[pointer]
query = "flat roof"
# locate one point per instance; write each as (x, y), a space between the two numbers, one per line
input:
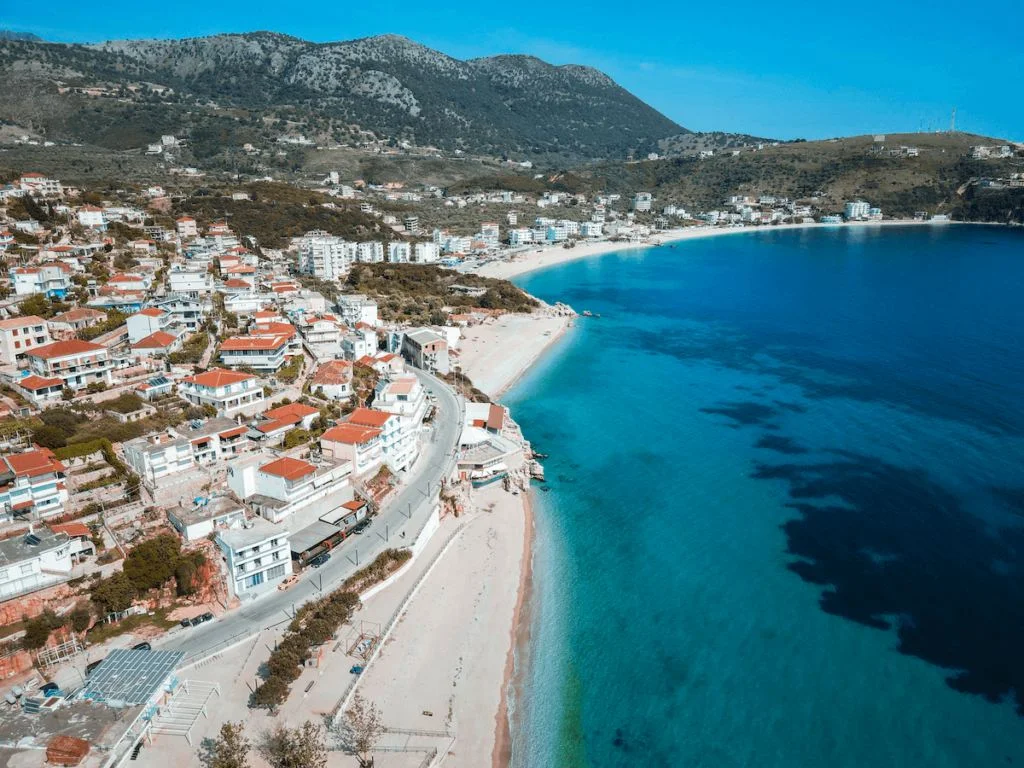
(131, 676)
(310, 536)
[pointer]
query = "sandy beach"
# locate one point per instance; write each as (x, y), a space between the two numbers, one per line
(496, 353)
(552, 255)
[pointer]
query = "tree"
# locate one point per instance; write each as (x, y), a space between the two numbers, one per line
(49, 436)
(37, 630)
(362, 729)
(113, 594)
(152, 563)
(81, 617)
(36, 304)
(302, 747)
(229, 750)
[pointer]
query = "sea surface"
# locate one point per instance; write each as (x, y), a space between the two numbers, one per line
(784, 523)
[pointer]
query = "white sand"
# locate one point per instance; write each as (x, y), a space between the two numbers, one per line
(496, 353)
(448, 654)
(548, 256)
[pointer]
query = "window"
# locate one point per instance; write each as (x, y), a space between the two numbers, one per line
(27, 568)
(276, 572)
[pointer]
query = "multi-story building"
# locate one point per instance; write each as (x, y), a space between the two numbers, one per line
(190, 282)
(325, 256)
(67, 324)
(185, 312)
(176, 450)
(32, 486)
(52, 280)
(642, 202)
(333, 380)
(360, 446)
(261, 353)
(355, 308)
(257, 555)
(231, 393)
(91, 217)
(426, 350)
(398, 443)
(279, 488)
(399, 252)
(855, 210)
(426, 253)
(360, 342)
(404, 397)
(520, 236)
(34, 560)
(147, 322)
(18, 335)
(40, 185)
(490, 233)
(186, 227)
(78, 363)
(370, 252)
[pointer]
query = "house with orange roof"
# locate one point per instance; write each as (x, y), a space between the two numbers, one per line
(32, 486)
(40, 390)
(159, 344)
(280, 421)
(52, 279)
(230, 393)
(18, 335)
(260, 353)
(360, 446)
(146, 322)
(333, 380)
(278, 488)
(186, 228)
(67, 324)
(399, 441)
(78, 363)
(129, 282)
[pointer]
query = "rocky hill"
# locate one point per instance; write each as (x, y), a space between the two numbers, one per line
(264, 86)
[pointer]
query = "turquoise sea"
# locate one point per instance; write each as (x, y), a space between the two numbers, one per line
(784, 523)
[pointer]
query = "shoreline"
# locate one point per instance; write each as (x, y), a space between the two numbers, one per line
(520, 636)
(553, 255)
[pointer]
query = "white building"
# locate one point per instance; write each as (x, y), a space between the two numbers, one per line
(325, 256)
(261, 353)
(426, 253)
(34, 560)
(77, 363)
(257, 555)
(405, 397)
(355, 308)
(91, 217)
(186, 228)
(19, 335)
(856, 210)
(190, 282)
(32, 485)
(370, 252)
(279, 488)
(231, 393)
(520, 236)
(156, 456)
(399, 252)
(642, 202)
(52, 280)
(147, 322)
(360, 447)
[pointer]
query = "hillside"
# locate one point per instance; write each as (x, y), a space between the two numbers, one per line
(224, 91)
(941, 178)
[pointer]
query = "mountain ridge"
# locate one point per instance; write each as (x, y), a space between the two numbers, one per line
(387, 86)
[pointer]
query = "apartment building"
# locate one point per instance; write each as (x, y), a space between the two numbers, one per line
(361, 447)
(190, 282)
(325, 256)
(77, 363)
(276, 489)
(257, 555)
(231, 393)
(147, 322)
(398, 438)
(53, 280)
(355, 308)
(34, 560)
(18, 335)
(155, 457)
(261, 353)
(426, 350)
(404, 397)
(32, 486)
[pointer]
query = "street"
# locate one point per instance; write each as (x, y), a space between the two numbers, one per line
(406, 512)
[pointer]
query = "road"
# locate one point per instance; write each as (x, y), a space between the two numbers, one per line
(407, 511)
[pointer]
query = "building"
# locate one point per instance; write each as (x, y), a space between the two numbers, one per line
(78, 363)
(192, 283)
(147, 322)
(361, 447)
(261, 353)
(399, 252)
(426, 253)
(18, 335)
(205, 515)
(159, 344)
(281, 420)
(404, 397)
(333, 380)
(356, 308)
(231, 393)
(359, 343)
(426, 350)
(370, 252)
(39, 185)
(258, 557)
(53, 280)
(91, 217)
(281, 487)
(398, 438)
(856, 210)
(67, 324)
(157, 456)
(642, 202)
(186, 228)
(41, 391)
(32, 485)
(33, 560)
(325, 256)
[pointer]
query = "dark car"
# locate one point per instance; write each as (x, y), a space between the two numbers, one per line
(320, 559)
(206, 617)
(186, 622)
(142, 647)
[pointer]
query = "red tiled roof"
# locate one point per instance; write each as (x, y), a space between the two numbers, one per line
(218, 377)
(288, 468)
(268, 343)
(35, 383)
(158, 340)
(32, 463)
(21, 322)
(333, 372)
(350, 434)
(267, 427)
(65, 348)
(151, 312)
(73, 530)
(354, 505)
(235, 432)
(368, 417)
(293, 412)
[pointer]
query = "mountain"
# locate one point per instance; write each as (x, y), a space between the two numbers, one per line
(7, 34)
(262, 86)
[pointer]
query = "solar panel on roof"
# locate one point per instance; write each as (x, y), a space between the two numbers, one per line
(159, 381)
(131, 676)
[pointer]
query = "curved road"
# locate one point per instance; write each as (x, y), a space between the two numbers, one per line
(406, 512)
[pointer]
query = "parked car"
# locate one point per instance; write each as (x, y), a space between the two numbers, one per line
(142, 647)
(202, 618)
(186, 622)
(320, 559)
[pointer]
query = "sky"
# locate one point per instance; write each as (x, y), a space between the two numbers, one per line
(792, 70)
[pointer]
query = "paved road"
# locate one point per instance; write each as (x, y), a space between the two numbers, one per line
(406, 512)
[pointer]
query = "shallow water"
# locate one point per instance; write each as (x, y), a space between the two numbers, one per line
(785, 516)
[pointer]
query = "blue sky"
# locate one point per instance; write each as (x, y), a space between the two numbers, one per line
(786, 70)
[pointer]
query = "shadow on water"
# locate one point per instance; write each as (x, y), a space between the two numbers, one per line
(893, 550)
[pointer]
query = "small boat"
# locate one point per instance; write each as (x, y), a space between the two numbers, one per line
(587, 313)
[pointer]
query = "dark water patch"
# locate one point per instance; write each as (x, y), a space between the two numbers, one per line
(791, 407)
(743, 414)
(1012, 498)
(901, 545)
(780, 444)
